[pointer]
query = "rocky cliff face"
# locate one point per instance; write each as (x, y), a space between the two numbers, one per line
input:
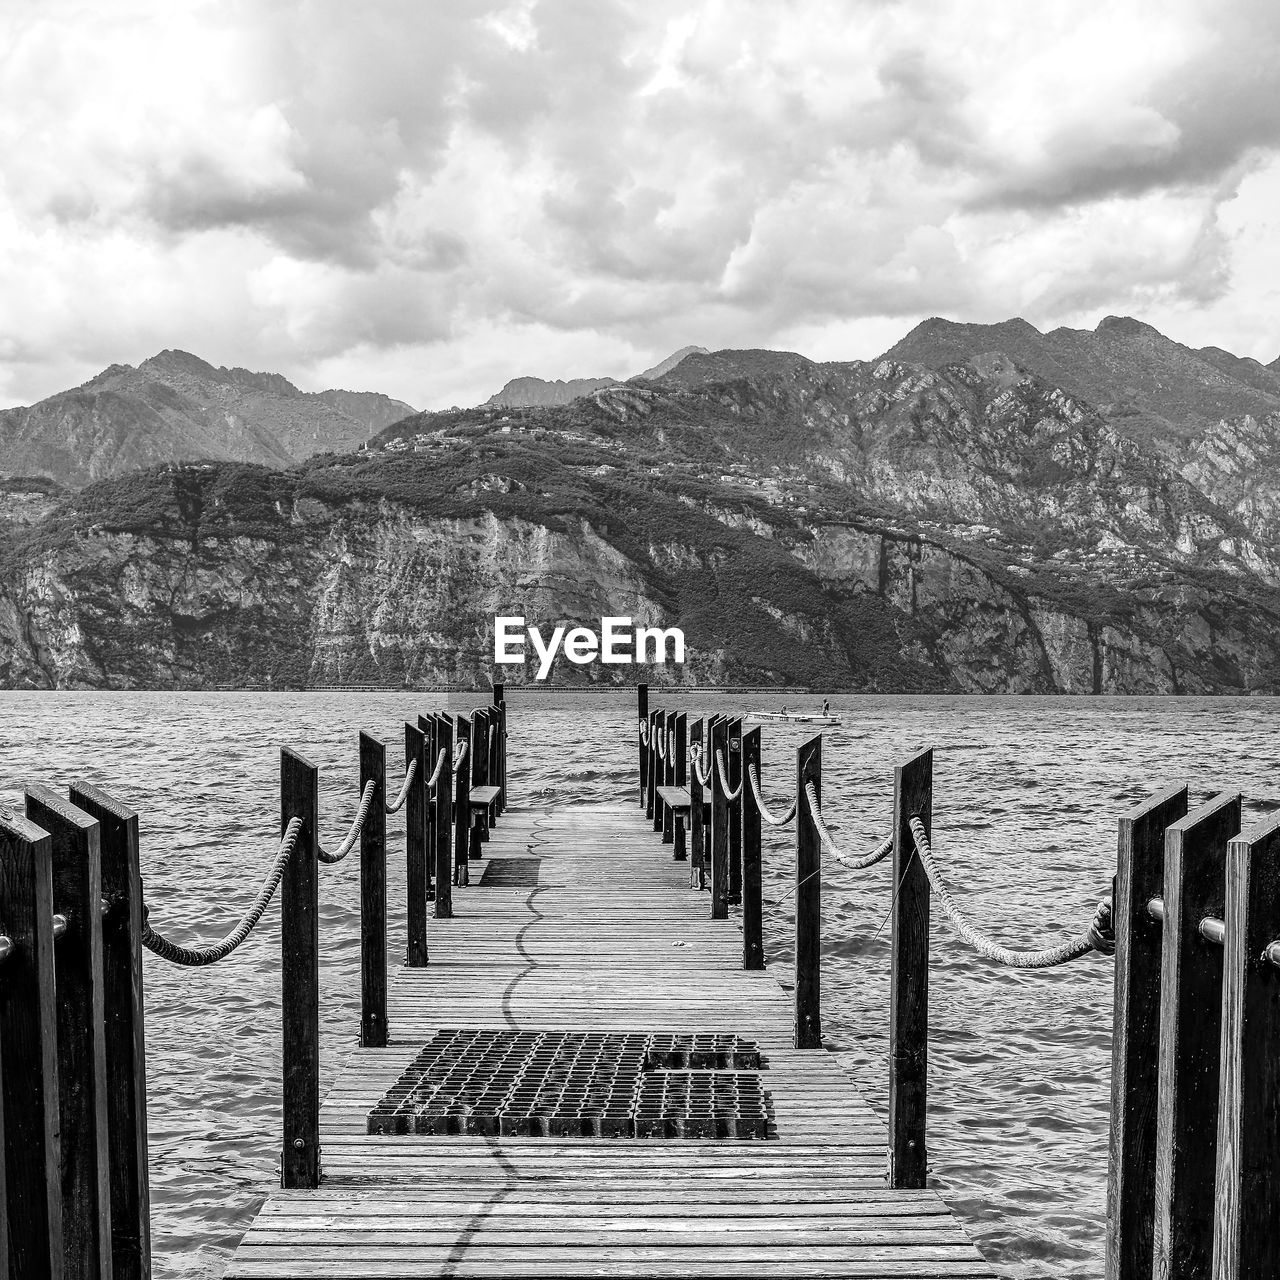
(175, 407)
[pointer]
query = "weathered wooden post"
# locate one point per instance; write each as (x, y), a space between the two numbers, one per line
(480, 738)
(697, 841)
(373, 895)
(659, 768)
(642, 718)
(300, 974)
(1246, 1243)
(417, 874)
(81, 1016)
(427, 725)
(651, 767)
(752, 889)
(719, 826)
(909, 978)
(1195, 858)
(1136, 1039)
(733, 767)
(444, 818)
(808, 951)
(462, 806)
(126, 1070)
(680, 853)
(29, 1052)
(669, 776)
(502, 738)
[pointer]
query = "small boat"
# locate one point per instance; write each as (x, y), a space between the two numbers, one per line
(793, 717)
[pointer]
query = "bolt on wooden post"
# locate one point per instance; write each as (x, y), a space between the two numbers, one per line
(752, 889)
(373, 895)
(909, 977)
(1195, 858)
(1136, 1038)
(300, 974)
(1246, 1242)
(81, 1017)
(29, 1052)
(417, 874)
(126, 1071)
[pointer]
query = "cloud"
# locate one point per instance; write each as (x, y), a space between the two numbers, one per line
(314, 186)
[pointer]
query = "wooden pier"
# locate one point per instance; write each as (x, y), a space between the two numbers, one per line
(584, 1067)
(582, 919)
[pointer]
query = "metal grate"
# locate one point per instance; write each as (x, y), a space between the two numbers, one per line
(580, 1084)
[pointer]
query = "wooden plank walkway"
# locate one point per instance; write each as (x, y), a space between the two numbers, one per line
(610, 937)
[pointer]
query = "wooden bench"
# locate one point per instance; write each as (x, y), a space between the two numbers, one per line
(481, 801)
(676, 799)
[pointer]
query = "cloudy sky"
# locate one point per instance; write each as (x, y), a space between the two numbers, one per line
(428, 197)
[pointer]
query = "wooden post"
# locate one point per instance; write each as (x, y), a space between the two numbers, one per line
(126, 1069)
(82, 1049)
(909, 977)
(1246, 1243)
(300, 975)
(659, 771)
(29, 1053)
(669, 777)
(698, 864)
(1195, 860)
(642, 718)
(444, 818)
(752, 890)
(719, 827)
(427, 725)
(477, 757)
(733, 766)
(808, 952)
(1134, 1046)
(417, 875)
(462, 807)
(502, 757)
(651, 767)
(373, 895)
(681, 853)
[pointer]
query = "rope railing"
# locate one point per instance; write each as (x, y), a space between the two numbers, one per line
(730, 793)
(366, 799)
(197, 957)
(435, 777)
(644, 732)
(878, 854)
(696, 756)
(765, 812)
(395, 805)
(660, 746)
(459, 755)
(1098, 936)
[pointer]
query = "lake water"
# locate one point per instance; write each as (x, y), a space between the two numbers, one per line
(1027, 792)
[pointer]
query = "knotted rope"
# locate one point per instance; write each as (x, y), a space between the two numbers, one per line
(366, 799)
(199, 956)
(459, 755)
(1098, 936)
(660, 746)
(644, 732)
(696, 756)
(435, 777)
(394, 807)
(729, 794)
(880, 852)
(765, 812)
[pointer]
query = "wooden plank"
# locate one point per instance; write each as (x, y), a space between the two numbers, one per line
(300, 974)
(1246, 1243)
(29, 1048)
(125, 1041)
(909, 977)
(1136, 1039)
(82, 1049)
(482, 797)
(1195, 859)
(675, 798)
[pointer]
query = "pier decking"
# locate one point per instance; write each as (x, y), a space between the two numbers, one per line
(578, 918)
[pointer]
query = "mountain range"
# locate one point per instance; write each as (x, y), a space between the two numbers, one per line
(532, 392)
(175, 407)
(1089, 512)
